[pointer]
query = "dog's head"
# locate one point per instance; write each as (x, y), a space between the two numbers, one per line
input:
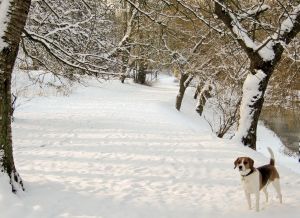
(244, 164)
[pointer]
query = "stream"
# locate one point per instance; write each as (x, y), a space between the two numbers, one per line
(286, 124)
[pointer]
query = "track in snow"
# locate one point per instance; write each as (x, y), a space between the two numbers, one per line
(118, 151)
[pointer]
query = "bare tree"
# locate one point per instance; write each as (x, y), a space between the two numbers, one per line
(126, 25)
(73, 39)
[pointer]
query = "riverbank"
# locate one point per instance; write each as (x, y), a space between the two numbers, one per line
(286, 124)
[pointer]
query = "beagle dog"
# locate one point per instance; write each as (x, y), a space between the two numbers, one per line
(256, 179)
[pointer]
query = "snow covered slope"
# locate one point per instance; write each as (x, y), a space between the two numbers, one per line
(122, 151)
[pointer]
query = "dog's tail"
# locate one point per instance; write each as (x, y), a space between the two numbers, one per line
(272, 160)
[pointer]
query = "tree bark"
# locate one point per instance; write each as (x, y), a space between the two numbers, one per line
(204, 95)
(185, 80)
(16, 19)
(125, 62)
(141, 74)
(253, 96)
(127, 16)
(198, 90)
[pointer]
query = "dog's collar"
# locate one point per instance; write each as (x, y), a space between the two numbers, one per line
(252, 171)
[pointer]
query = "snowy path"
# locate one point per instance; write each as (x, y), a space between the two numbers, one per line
(123, 151)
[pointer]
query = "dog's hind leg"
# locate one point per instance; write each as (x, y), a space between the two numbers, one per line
(266, 193)
(276, 185)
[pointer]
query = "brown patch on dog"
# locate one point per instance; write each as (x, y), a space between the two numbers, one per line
(267, 173)
(249, 163)
(236, 162)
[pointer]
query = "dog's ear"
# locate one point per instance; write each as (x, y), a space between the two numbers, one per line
(251, 163)
(236, 162)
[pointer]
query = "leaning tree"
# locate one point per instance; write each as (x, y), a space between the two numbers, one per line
(263, 40)
(13, 14)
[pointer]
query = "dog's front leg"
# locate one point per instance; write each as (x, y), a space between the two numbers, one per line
(257, 201)
(248, 200)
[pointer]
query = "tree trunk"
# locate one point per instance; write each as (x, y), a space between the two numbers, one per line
(141, 77)
(254, 89)
(126, 16)
(141, 74)
(122, 78)
(16, 17)
(185, 80)
(124, 67)
(204, 95)
(198, 90)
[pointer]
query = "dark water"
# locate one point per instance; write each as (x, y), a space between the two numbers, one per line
(286, 124)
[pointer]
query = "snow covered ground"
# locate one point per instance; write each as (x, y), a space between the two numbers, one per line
(116, 150)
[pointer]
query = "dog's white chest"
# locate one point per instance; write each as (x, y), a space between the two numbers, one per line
(251, 183)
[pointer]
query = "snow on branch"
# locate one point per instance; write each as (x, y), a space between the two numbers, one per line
(147, 14)
(254, 11)
(290, 27)
(127, 35)
(68, 26)
(66, 57)
(232, 22)
(230, 19)
(266, 50)
(199, 43)
(199, 16)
